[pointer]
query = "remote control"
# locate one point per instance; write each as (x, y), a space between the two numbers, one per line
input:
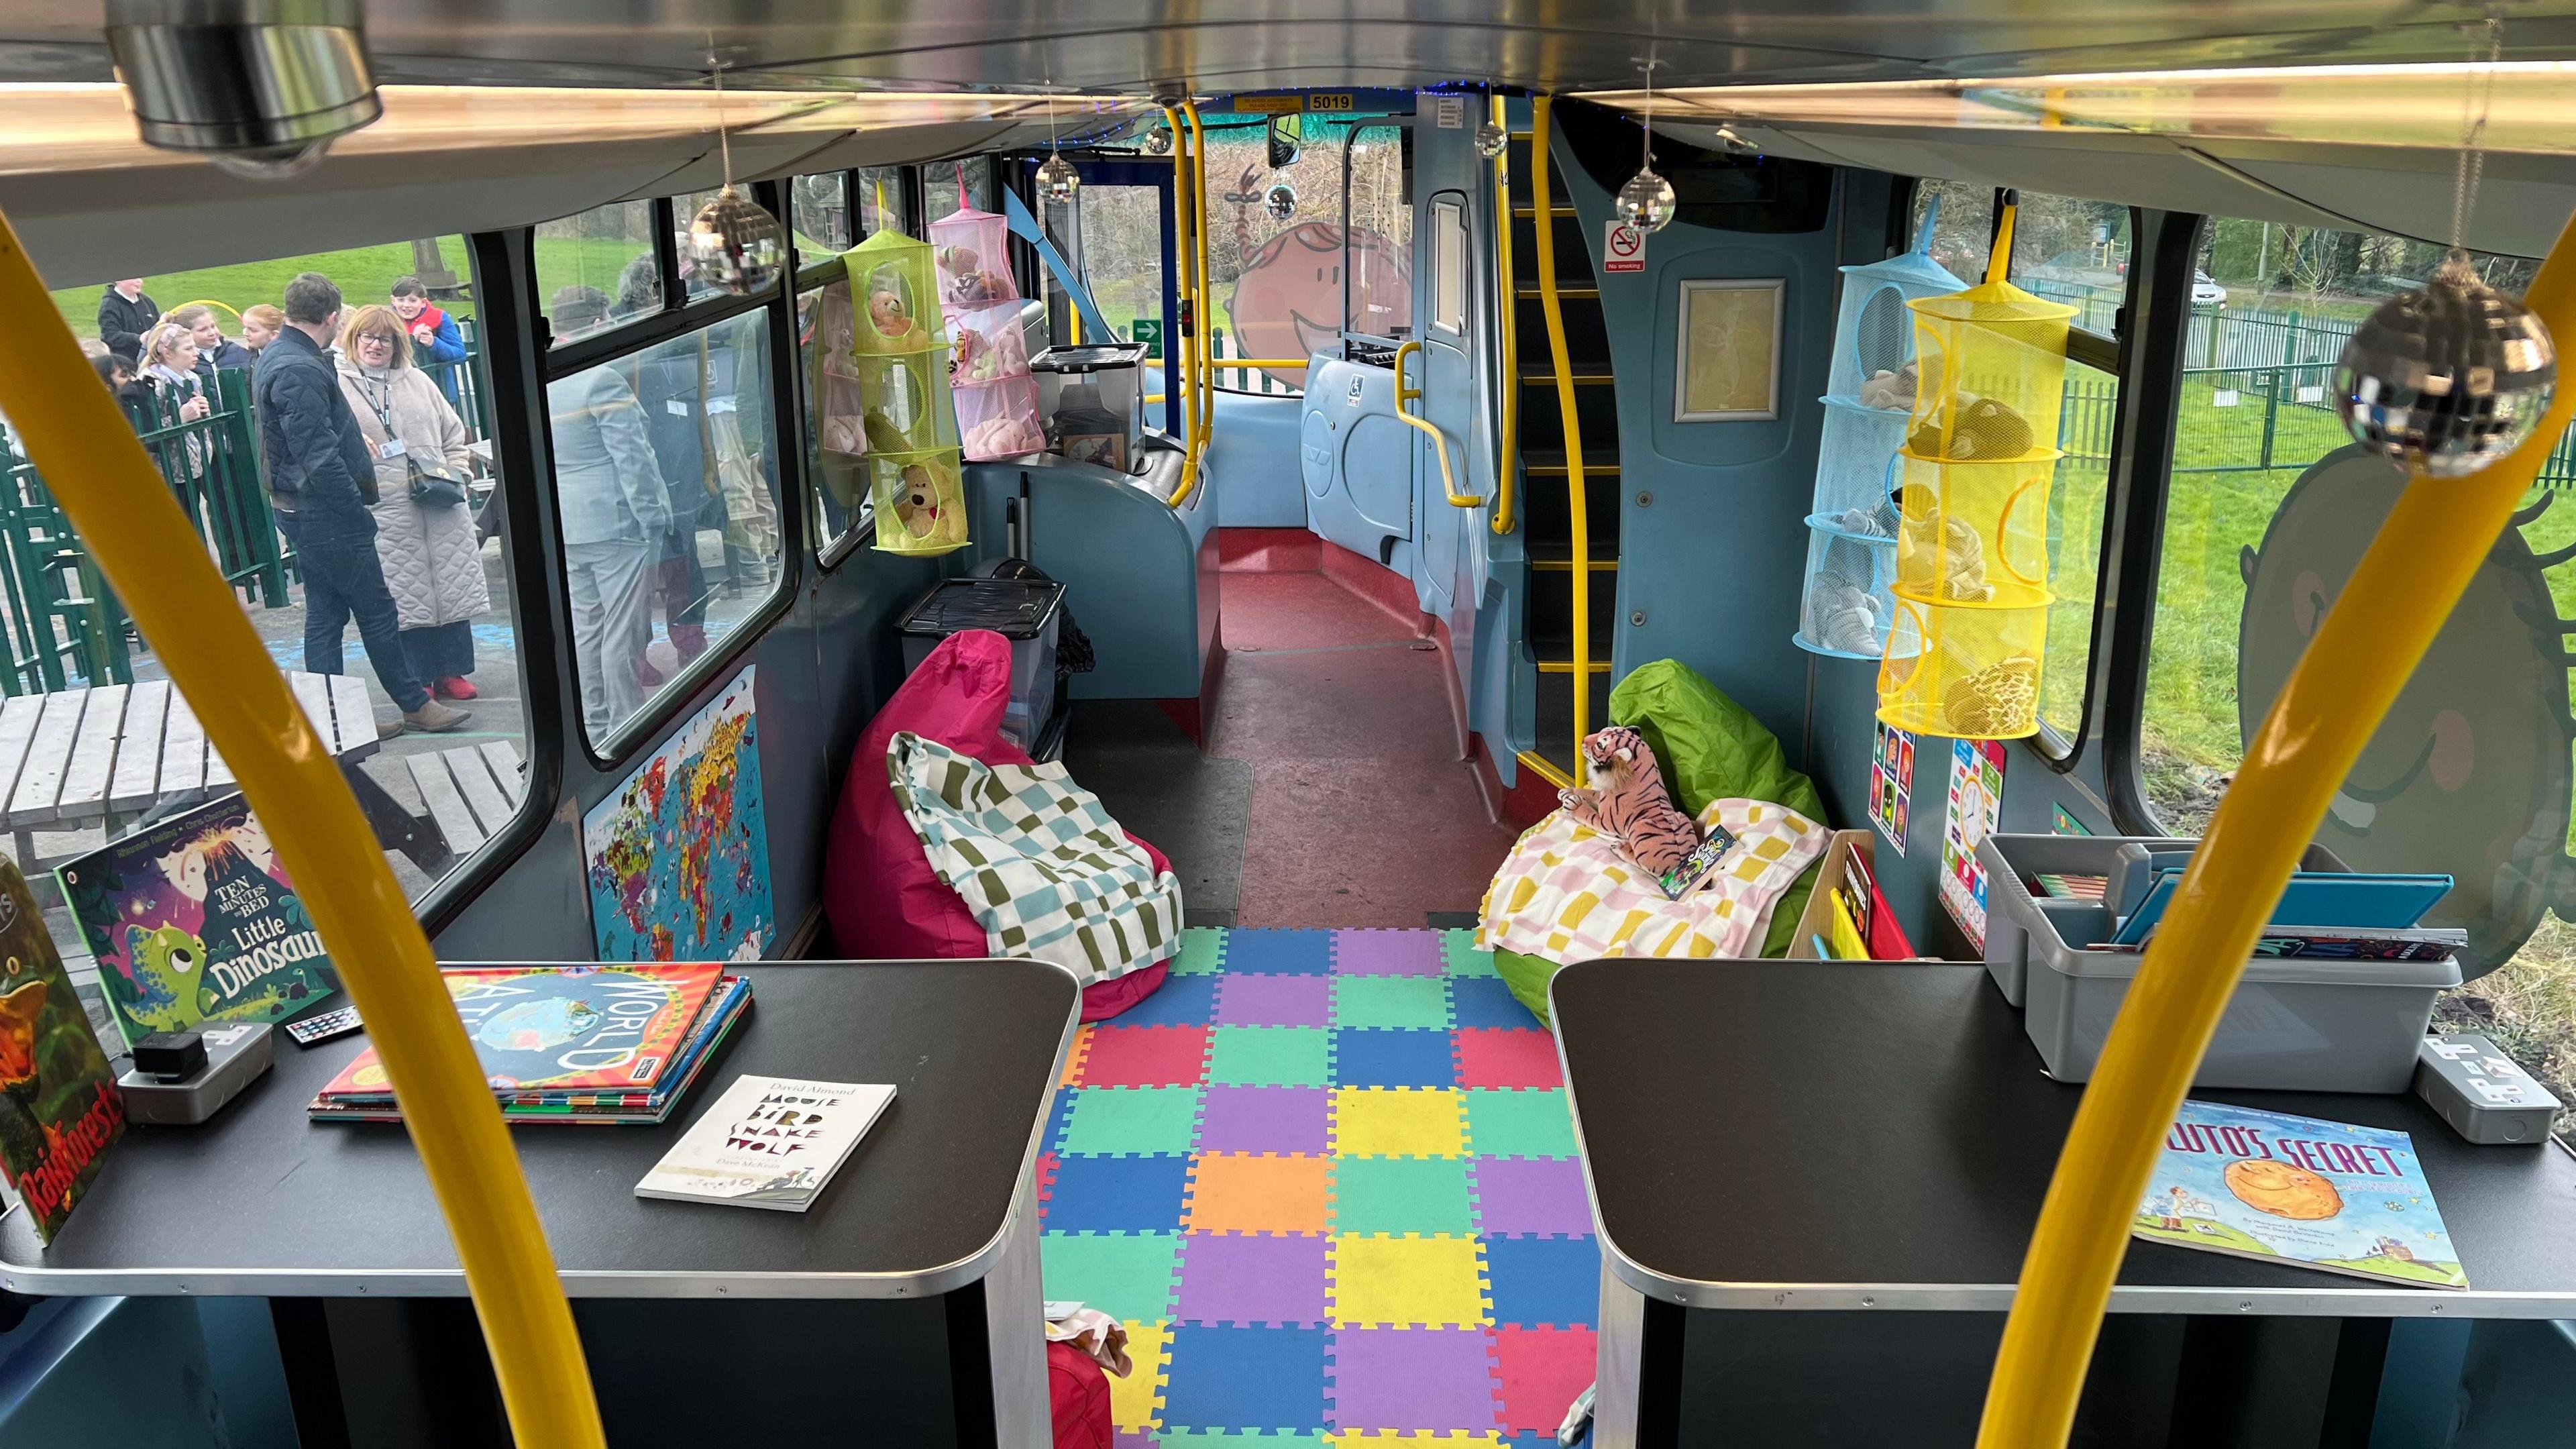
(330, 1025)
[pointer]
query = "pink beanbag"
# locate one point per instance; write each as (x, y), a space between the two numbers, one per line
(884, 900)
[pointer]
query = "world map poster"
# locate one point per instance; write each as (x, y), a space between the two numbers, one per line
(679, 854)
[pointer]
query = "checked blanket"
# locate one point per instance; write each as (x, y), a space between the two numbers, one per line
(1041, 865)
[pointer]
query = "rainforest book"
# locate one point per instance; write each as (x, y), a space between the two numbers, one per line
(768, 1142)
(2295, 1189)
(193, 920)
(59, 1107)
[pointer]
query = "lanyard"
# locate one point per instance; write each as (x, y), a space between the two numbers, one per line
(381, 404)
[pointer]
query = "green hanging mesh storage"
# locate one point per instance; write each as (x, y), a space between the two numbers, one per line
(1846, 603)
(899, 361)
(1970, 631)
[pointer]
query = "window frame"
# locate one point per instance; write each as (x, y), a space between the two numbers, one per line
(786, 403)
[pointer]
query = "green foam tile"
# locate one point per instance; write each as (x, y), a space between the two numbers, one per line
(1532, 1122)
(1394, 1196)
(1202, 951)
(1132, 1121)
(1460, 957)
(1391, 1001)
(1270, 1056)
(1130, 1278)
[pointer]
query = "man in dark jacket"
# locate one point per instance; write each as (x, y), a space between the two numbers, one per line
(124, 315)
(321, 480)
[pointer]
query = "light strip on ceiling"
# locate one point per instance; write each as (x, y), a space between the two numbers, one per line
(2375, 105)
(88, 127)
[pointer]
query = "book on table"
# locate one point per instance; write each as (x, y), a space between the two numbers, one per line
(767, 1142)
(2298, 1190)
(604, 1043)
(60, 1109)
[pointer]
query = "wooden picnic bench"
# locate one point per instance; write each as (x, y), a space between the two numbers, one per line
(471, 790)
(77, 757)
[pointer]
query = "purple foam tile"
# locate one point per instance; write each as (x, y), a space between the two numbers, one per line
(1274, 1001)
(1133, 1439)
(1414, 1378)
(1531, 1197)
(1386, 953)
(1283, 1120)
(1226, 1278)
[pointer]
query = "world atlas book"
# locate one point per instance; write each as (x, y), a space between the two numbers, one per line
(2322, 1194)
(563, 1028)
(768, 1142)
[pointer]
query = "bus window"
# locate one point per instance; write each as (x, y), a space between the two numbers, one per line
(833, 440)
(1122, 257)
(609, 248)
(427, 578)
(666, 484)
(1380, 242)
(1963, 233)
(1275, 285)
(939, 185)
(822, 216)
(2270, 506)
(882, 204)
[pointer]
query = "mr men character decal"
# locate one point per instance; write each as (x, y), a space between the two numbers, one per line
(1288, 301)
(2469, 774)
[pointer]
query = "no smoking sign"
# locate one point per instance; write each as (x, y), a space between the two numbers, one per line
(1623, 247)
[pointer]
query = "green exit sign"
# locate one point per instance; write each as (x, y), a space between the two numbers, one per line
(1148, 330)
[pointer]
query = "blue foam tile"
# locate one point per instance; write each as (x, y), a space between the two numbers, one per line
(1484, 1001)
(1118, 1195)
(1244, 1378)
(1279, 953)
(1179, 1001)
(1059, 1116)
(1393, 1058)
(1541, 1282)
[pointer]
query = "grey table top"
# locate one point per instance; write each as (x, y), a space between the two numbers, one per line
(1787, 1135)
(261, 1201)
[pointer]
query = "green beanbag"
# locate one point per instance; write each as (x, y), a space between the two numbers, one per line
(1710, 748)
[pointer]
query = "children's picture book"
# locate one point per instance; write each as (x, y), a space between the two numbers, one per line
(768, 1142)
(59, 1107)
(1686, 877)
(193, 920)
(564, 1028)
(2321, 1194)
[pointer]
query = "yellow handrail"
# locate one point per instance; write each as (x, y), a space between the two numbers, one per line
(109, 489)
(1507, 456)
(1203, 388)
(1177, 348)
(2363, 652)
(1229, 364)
(1448, 480)
(1577, 505)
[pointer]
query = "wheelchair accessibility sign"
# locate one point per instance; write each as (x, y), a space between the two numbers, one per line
(1623, 247)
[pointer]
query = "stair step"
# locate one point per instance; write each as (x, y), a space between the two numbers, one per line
(1546, 377)
(1564, 290)
(1566, 666)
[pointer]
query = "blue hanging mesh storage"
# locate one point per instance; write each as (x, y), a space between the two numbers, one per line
(1846, 605)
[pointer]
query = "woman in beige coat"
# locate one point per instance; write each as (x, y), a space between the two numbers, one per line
(433, 562)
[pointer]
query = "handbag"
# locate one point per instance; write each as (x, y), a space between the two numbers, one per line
(434, 485)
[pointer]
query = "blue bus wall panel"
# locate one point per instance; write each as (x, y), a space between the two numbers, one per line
(125, 1371)
(1254, 449)
(1140, 576)
(824, 668)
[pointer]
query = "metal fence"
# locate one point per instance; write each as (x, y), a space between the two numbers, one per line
(60, 625)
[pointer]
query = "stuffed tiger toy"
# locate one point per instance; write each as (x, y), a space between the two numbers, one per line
(1628, 803)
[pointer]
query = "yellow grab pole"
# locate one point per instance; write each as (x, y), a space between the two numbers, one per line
(2363, 652)
(1507, 299)
(1577, 502)
(1205, 433)
(109, 489)
(1176, 348)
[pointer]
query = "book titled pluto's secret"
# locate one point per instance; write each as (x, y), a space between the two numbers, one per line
(2322, 1194)
(768, 1142)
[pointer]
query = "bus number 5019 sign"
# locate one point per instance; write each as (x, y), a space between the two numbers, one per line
(1623, 247)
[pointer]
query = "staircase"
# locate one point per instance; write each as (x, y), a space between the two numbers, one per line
(1546, 508)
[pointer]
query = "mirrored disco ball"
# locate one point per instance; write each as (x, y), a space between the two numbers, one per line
(1057, 181)
(736, 245)
(2448, 378)
(1280, 201)
(1646, 202)
(1491, 139)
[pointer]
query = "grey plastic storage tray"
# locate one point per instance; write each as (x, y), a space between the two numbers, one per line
(2293, 1025)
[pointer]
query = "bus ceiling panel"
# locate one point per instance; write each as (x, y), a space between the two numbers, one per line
(2523, 201)
(94, 226)
(906, 145)
(1241, 44)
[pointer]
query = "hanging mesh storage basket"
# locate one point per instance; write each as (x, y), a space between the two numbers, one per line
(1869, 408)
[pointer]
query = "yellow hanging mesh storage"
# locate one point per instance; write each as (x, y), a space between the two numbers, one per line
(899, 359)
(1971, 625)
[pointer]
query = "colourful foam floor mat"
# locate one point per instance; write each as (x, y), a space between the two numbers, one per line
(1327, 1179)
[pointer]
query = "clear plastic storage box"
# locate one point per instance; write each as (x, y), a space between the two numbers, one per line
(2294, 1024)
(1024, 611)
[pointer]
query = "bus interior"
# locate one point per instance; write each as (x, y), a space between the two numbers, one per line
(1307, 523)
